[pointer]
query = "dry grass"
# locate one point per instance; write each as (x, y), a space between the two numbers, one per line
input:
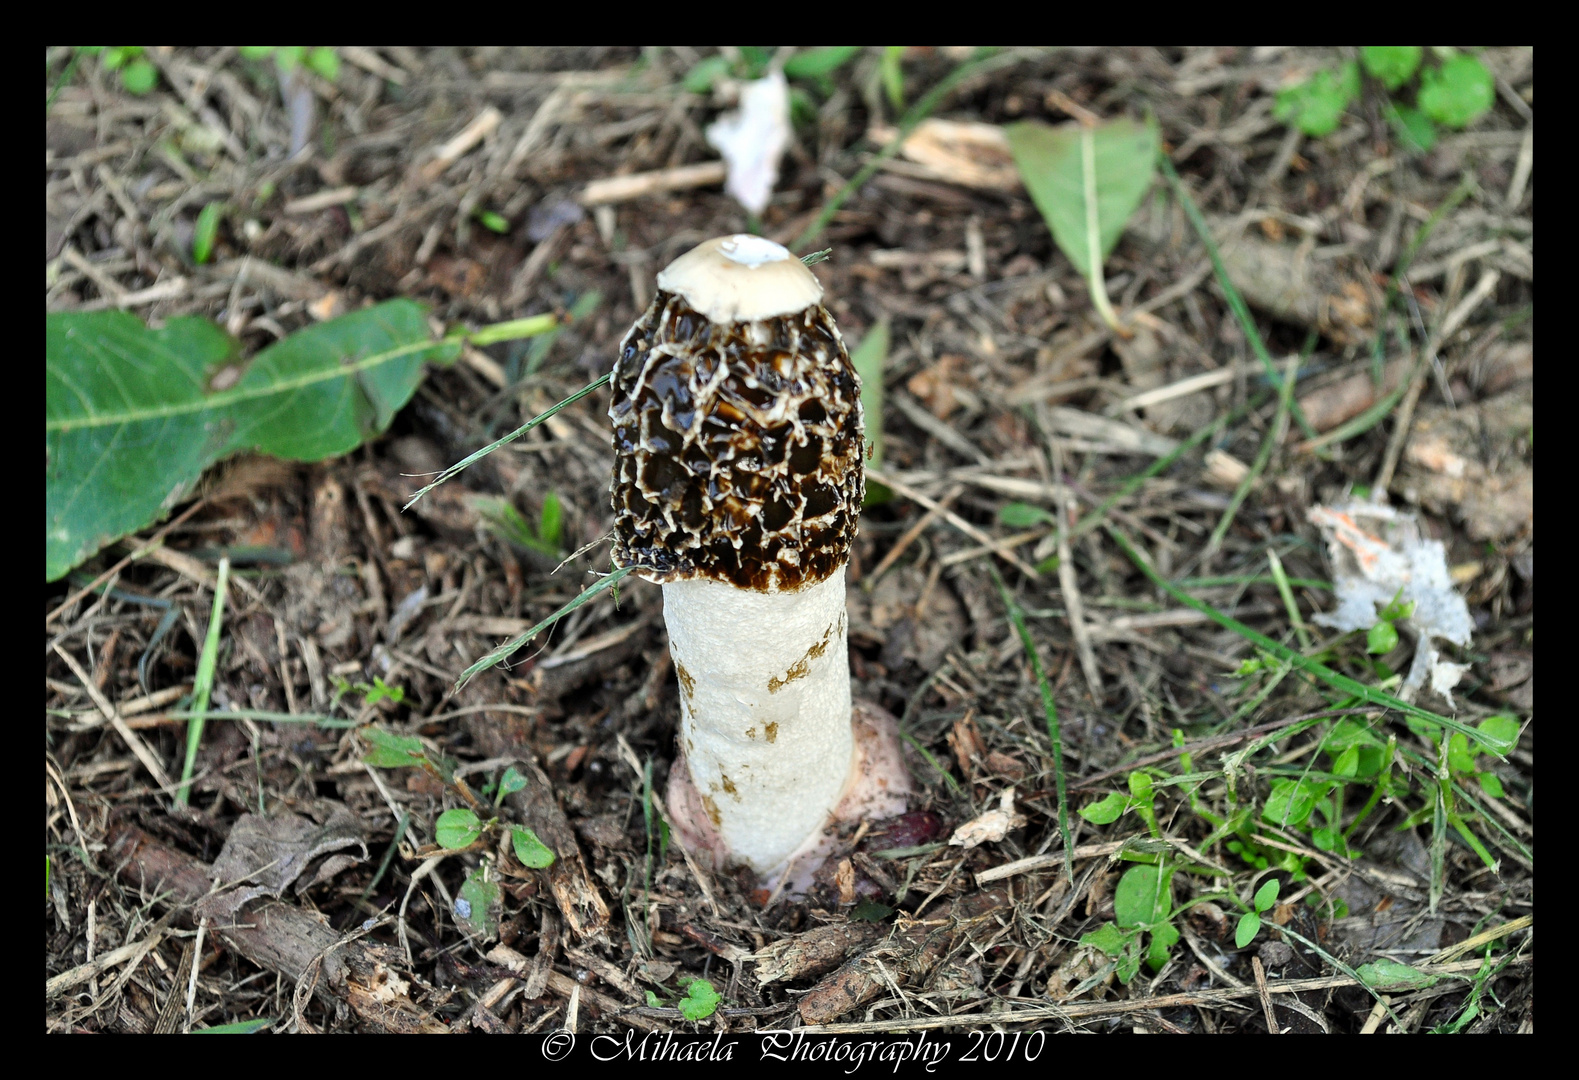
(1002, 386)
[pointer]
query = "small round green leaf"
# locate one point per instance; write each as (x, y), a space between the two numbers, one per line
(1457, 93)
(1490, 784)
(1291, 802)
(511, 782)
(1249, 927)
(1347, 763)
(1382, 639)
(529, 849)
(1143, 896)
(139, 77)
(456, 829)
(1105, 811)
(1266, 895)
(392, 751)
(1503, 731)
(1106, 938)
(1019, 515)
(1391, 65)
(325, 61)
(700, 1000)
(204, 234)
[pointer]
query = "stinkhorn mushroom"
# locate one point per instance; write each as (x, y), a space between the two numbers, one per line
(738, 481)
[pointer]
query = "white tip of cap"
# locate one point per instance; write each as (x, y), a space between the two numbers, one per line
(741, 278)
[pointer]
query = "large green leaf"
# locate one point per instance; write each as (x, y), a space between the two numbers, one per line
(1053, 163)
(133, 416)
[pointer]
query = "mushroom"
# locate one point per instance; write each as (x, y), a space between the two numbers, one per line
(738, 481)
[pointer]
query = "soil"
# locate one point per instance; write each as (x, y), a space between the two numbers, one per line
(1002, 387)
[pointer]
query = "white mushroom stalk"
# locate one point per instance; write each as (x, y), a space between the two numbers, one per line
(738, 483)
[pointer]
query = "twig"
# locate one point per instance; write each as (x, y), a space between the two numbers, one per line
(1265, 995)
(955, 520)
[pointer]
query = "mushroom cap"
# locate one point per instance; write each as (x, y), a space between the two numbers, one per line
(741, 278)
(738, 447)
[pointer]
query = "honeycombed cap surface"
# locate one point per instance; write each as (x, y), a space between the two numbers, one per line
(737, 447)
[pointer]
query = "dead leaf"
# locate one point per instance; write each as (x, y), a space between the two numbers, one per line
(263, 856)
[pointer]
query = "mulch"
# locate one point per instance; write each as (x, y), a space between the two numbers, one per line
(1001, 386)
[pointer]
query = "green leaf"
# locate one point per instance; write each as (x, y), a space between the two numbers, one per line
(392, 751)
(511, 782)
(1163, 938)
(1291, 802)
(139, 77)
(1249, 927)
(1105, 811)
(1391, 65)
(1414, 128)
(1457, 93)
(1051, 162)
(1266, 895)
(477, 907)
(1460, 759)
(652, 1000)
(529, 849)
(256, 52)
(1382, 639)
(1347, 763)
(1144, 896)
(1490, 784)
(1503, 731)
(457, 828)
(116, 56)
(869, 359)
(133, 416)
(1128, 966)
(700, 1000)
(1346, 733)
(892, 75)
(1107, 938)
(1139, 784)
(493, 222)
(204, 233)
(1316, 106)
(240, 1027)
(325, 61)
(818, 62)
(870, 911)
(1019, 515)
(1391, 975)
(549, 522)
(289, 57)
(700, 79)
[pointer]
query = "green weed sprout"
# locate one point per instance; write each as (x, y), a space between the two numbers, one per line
(1453, 91)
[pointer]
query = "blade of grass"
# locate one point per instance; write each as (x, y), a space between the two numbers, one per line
(1282, 652)
(1249, 579)
(471, 459)
(1050, 707)
(608, 581)
(389, 853)
(1274, 436)
(1359, 425)
(1096, 284)
(1288, 599)
(918, 112)
(1236, 302)
(531, 326)
(203, 684)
